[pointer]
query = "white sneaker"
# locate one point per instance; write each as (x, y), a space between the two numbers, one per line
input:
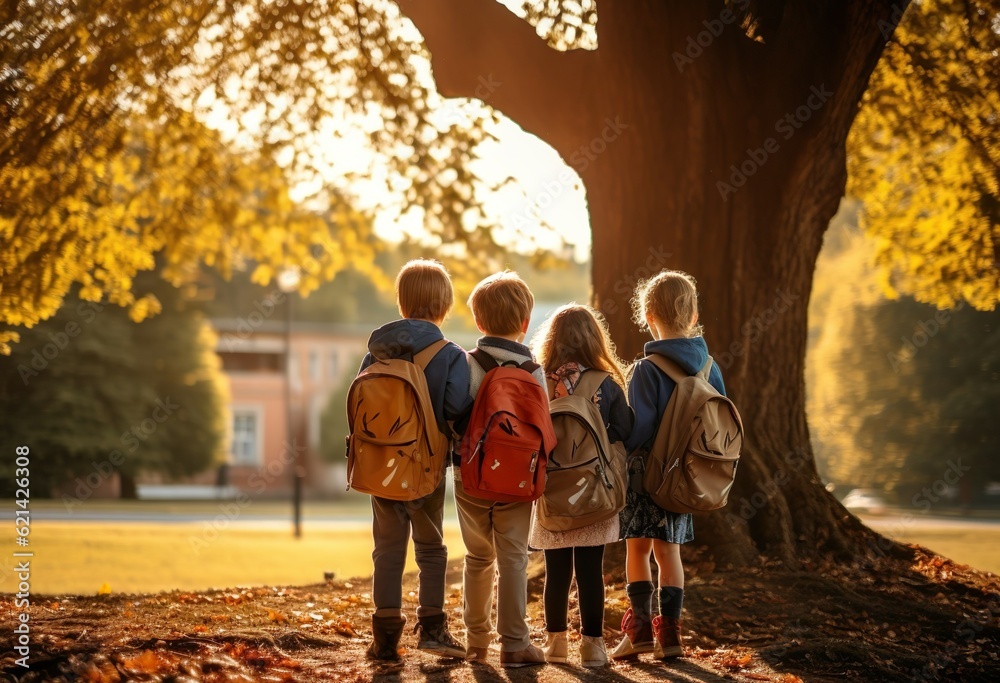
(556, 648)
(592, 652)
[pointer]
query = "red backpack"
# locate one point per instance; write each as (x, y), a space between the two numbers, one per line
(509, 437)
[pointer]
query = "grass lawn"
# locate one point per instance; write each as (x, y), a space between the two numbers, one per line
(148, 555)
(976, 547)
(133, 557)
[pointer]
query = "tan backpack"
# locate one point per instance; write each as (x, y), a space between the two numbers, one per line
(692, 464)
(395, 449)
(586, 473)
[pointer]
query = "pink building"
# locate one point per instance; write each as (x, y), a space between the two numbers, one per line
(322, 356)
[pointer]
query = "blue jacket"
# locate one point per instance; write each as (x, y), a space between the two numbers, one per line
(447, 373)
(649, 388)
(615, 412)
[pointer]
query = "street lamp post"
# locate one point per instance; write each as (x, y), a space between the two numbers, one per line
(288, 282)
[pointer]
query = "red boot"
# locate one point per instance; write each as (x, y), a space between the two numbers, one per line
(638, 637)
(667, 631)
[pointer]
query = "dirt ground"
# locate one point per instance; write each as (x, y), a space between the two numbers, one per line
(922, 619)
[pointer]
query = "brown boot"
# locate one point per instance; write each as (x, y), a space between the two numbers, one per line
(436, 638)
(667, 631)
(386, 632)
(638, 637)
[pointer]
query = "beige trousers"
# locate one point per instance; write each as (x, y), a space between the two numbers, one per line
(496, 544)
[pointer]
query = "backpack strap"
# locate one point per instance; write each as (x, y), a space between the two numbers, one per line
(427, 354)
(485, 360)
(706, 369)
(590, 381)
(529, 366)
(488, 362)
(674, 371)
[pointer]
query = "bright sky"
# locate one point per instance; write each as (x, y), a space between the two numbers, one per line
(520, 209)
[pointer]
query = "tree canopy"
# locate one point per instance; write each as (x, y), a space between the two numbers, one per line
(898, 390)
(924, 154)
(107, 156)
(95, 392)
(194, 129)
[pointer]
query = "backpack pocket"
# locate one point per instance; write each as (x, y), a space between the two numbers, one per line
(400, 470)
(509, 458)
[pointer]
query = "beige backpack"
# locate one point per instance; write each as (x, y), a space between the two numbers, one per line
(692, 464)
(395, 449)
(586, 475)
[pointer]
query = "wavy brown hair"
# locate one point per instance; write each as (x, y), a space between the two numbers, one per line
(577, 333)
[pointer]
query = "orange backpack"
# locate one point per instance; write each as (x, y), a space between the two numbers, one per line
(395, 449)
(509, 436)
(692, 464)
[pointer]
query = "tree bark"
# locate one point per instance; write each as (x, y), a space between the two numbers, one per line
(691, 161)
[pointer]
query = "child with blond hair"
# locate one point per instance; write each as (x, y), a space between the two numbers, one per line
(496, 533)
(666, 305)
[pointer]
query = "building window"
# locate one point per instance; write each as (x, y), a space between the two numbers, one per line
(246, 437)
(332, 365)
(313, 365)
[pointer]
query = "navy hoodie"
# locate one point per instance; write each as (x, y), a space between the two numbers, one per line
(447, 373)
(649, 388)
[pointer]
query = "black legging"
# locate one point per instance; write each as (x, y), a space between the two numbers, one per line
(589, 564)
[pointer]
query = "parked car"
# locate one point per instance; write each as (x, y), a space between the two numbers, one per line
(865, 500)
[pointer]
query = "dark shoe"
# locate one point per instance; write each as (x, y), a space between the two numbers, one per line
(529, 656)
(638, 637)
(668, 637)
(435, 637)
(386, 632)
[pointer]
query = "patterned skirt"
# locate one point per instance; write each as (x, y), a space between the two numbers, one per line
(642, 518)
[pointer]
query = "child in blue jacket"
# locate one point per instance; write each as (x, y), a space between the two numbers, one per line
(666, 304)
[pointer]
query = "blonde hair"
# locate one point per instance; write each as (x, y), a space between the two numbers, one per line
(579, 333)
(671, 299)
(501, 303)
(423, 290)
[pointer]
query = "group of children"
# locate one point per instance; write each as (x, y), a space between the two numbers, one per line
(498, 535)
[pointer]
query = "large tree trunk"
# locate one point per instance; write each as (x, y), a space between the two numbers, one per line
(655, 132)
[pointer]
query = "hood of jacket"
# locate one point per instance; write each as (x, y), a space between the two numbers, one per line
(403, 338)
(691, 353)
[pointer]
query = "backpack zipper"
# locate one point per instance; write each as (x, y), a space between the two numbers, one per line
(604, 462)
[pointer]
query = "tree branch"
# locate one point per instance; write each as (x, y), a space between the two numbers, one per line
(480, 49)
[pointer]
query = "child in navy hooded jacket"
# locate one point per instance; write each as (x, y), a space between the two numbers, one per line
(424, 295)
(667, 305)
